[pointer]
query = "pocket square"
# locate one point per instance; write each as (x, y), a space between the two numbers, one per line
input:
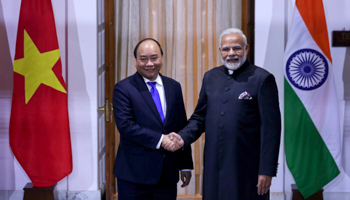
(245, 95)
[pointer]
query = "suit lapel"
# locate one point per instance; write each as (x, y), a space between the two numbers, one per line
(142, 88)
(168, 92)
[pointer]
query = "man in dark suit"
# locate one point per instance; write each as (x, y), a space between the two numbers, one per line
(238, 110)
(148, 106)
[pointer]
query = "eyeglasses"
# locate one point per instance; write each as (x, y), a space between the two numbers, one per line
(236, 49)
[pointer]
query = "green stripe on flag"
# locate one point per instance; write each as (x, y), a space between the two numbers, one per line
(307, 156)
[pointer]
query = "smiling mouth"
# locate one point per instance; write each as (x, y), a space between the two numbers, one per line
(150, 69)
(232, 60)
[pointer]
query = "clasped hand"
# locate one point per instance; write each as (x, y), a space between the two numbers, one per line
(172, 142)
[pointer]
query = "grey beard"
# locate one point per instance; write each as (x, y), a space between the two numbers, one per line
(234, 66)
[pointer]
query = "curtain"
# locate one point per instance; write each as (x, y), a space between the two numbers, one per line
(188, 31)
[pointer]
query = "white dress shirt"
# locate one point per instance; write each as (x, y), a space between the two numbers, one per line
(160, 89)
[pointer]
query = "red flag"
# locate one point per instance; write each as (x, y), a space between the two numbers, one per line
(39, 125)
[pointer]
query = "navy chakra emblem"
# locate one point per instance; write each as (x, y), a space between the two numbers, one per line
(307, 69)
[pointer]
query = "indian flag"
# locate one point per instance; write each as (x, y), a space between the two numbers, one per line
(312, 129)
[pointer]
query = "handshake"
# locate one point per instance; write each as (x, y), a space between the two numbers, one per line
(172, 142)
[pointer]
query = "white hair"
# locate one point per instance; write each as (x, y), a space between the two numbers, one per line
(231, 31)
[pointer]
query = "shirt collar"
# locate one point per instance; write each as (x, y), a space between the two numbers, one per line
(158, 80)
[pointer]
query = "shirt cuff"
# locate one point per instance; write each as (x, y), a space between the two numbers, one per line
(186, 170)
(160, 142)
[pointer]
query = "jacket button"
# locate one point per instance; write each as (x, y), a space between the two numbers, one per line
(224, 101)
(227, 89)
(222, 113)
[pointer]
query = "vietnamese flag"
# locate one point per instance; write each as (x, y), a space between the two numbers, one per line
(39, 125)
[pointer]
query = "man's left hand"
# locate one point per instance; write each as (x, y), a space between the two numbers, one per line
(186, 178)
(264, 183)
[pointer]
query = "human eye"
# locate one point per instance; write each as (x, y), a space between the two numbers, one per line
(143, 58)
(226, 49)
(154, 58)
(237, 48)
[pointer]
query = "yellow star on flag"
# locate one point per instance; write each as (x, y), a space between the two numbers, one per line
(37, 67)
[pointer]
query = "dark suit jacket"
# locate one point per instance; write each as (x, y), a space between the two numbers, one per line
(242, 135)
(140, 128)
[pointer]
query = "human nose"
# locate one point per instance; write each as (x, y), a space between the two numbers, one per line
(149, 63)
(231, 52)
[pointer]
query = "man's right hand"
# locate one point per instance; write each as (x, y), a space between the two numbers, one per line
(172, 142)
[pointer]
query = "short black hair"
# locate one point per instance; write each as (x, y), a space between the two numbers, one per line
(138, 44)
